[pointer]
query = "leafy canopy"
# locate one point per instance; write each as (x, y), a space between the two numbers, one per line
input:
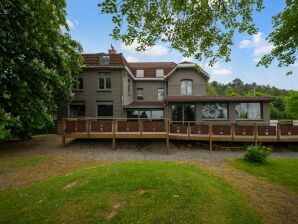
(203, 28)
(284, 37)
(37, 64)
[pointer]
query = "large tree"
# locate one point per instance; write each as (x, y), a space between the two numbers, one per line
(37, 64)
(284, 37)
(203, 28)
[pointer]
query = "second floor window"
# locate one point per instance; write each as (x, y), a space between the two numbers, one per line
(160, 94)
(104, 81)
(140, 73)
(186, 87)
(79, 85)
(140, 95)
(104, 60)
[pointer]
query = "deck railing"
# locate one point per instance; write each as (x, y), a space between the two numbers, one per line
(164, 129)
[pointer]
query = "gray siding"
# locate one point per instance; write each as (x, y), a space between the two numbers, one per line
(149, 89)
(199, 82)
(128, 96)
(91, 94)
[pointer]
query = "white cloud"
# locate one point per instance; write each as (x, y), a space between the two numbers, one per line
(190, 59)
(131, 59)
(218, 69)
(258, 44)
(156, 50)
(70, 24)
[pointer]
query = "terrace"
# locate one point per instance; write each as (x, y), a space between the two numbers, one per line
(123, 128)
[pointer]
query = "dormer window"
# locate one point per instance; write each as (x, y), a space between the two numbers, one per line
(104, 60)
(159, 72)
(140, 73)
(186, 87)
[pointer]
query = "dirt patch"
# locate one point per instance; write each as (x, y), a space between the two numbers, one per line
(274, 202)
(71, 185)
(116, 207)
(143, 191)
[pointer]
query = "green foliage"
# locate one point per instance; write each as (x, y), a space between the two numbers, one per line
(292, 104)
(37, 64)
(211, 91)
(257, 153)
(277, 170)
(284, 37)
(201, 28)
(153, 192)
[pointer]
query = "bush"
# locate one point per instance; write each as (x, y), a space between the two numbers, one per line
(293, 147)
(257, 153)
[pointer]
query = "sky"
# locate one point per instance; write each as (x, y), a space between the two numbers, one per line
(92, 30)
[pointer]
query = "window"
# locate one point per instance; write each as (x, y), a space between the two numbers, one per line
(104, 81)
(104, 60)
(128, 86)
(104, 109)
(77, 109)
(159, 72)
(140, 95)
(155, 114)
(248, 111)
(79, 85)
(183, 112)
(186, 87)
(215, 111)
(160, 94)
(140, 73)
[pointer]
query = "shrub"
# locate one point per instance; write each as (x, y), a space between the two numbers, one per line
(293, 147)
(257, 153)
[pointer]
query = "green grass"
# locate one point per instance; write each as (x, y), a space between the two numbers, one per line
(283, 171)
(172, 193)
(20, 163)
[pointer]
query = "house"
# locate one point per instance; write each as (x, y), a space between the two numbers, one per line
(111, 87)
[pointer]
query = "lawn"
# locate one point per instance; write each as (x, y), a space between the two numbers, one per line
(283, 171)
(9, 165)
(139, 192)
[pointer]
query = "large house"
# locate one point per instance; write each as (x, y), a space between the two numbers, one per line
(111, 87)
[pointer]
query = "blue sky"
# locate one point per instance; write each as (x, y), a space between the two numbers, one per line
(92, 31)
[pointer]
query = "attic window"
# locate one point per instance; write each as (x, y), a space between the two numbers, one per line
(140, 73)
(104, 60)
(159, 72)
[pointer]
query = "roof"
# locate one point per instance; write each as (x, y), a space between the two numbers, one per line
(219, 98)
(145, 104)
(150, 68)
(94, 59)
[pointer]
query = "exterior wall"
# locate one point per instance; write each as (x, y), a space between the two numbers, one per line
(199, 82)
(149, 89)
(91, 94)
(127, 97)
(231, 113)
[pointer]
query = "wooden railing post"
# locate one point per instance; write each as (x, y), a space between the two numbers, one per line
(141, 127)
(278, 132)
(167, 135)
(256, 134)
(210, 137)
(62, 131)
(89, 126)
(188, 130)
(114, 134)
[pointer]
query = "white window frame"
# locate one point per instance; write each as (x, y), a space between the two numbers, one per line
(163, 97)
(159, 73)
(77, 87)
(187, 92)
(104, 103)
(104, 76)
(140, 73)
(140, 95)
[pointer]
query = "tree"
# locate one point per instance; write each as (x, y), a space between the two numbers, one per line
(211, 91)
(292, 104)
(284, 37)
(230, 92)
(202, 28)
(37, 64)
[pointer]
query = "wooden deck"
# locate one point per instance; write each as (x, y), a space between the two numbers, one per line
(123, 128)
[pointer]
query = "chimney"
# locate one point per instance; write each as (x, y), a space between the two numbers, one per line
(112, 50)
